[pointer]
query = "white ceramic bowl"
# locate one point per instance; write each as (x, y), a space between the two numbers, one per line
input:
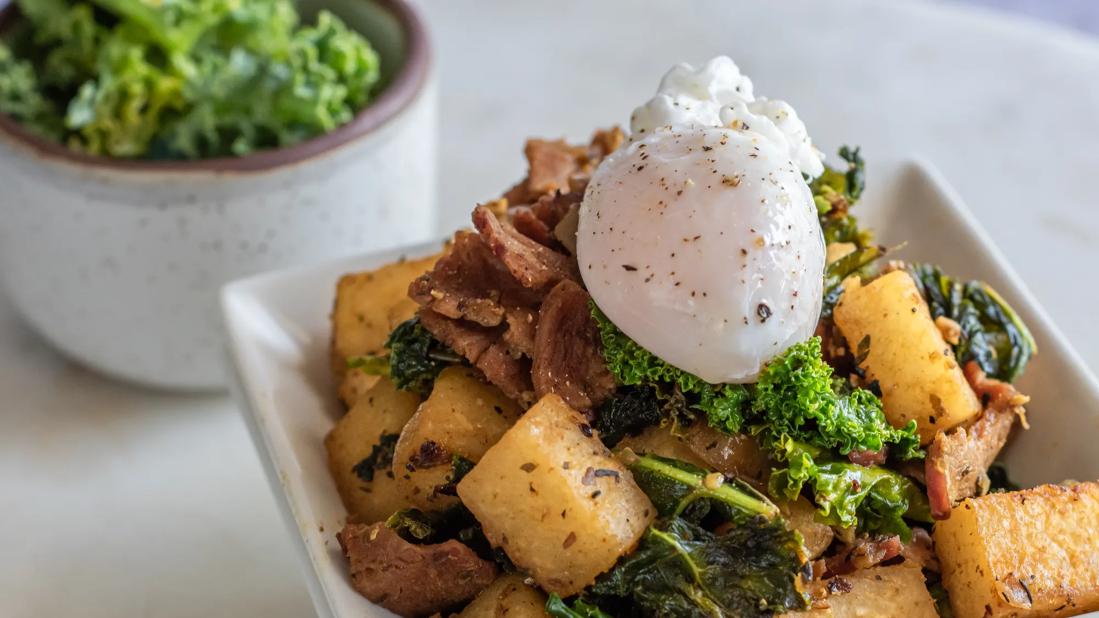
(118, 263)
(279, 334)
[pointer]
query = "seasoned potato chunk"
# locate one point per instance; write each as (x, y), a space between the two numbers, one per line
(802, 516)
(897, 591)
(368, 306)
(507, 597)
(1024, 553)
(657, 440)
(888, 326)
(360, 451)
(555, 499)
(463, 416)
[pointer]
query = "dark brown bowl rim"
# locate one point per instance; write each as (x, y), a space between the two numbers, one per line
(397, 95)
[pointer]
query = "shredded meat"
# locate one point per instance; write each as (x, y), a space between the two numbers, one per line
(412, 580)
(555, 166)
(534, 265)
(470, 283)
(864, 553)
(957, 460)
(568, 355)
(486, 298)
(466, 338)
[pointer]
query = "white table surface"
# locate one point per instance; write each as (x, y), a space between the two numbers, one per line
(120, 502)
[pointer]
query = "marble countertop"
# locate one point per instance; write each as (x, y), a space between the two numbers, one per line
(122, 502)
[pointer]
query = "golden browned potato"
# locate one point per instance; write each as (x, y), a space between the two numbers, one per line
(369, 305)
(738, 455)
(661, 441)
(897, 591)
(555, 499)
(802, 516)
(507, 597)
(463, 416)
(888, 326)
(1025, 553)
(370, 428)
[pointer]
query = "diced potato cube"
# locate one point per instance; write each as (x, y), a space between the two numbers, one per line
(464, 415)
(377, 417)
(657, 440)
(897, 591)
(369, 305)
(507, 597)
(556, 500)
(801, 515)
(888, 326)
(1026, 553)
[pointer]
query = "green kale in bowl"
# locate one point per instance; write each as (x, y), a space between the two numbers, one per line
(181, 79)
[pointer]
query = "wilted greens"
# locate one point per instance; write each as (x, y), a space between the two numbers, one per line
(991, 332)
(873, 498)
(629, 412)
(414, 361)
(183, 79)
(380, 457)
(718, 549)
(835, 192)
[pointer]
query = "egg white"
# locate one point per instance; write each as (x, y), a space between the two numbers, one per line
(703, 245)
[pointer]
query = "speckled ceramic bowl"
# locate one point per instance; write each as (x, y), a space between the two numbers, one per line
(118, 263)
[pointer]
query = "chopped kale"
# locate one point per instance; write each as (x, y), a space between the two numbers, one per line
(871, 498)
(679, 489)
(835, 192)
(999, 481)
(631, 410)
(380, 457)
(796, 396)
(415, 358)
(633, 365)
(991, 332)
(681, 569)
(459, 468)
(579, 608)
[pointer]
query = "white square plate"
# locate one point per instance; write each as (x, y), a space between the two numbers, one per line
(279, 334)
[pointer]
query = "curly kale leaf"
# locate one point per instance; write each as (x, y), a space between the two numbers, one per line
(679, 489)
(633, 365)
(681, 569)
(847, 495)
(414, 361)
(579, 608)
(992, 333)
(796, 396)
(380, 457)
(631, 410)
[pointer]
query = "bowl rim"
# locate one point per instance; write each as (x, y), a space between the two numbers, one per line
(406, 85)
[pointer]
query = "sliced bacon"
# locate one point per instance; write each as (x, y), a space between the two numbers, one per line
(511, 374)
(551, 163)
(466, 338)
(412, 580)
(534, 265)
(957, 460)
(992, 392)
(568, 354)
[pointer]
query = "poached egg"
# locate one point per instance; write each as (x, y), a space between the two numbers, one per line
(699, 238)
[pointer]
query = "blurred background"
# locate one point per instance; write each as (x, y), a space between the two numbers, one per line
(116, 501)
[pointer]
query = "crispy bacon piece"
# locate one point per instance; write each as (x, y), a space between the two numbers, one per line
(534, 265)
(957, 460)
(555, 166)
(568, 355)
(868, 458)
(412, 580)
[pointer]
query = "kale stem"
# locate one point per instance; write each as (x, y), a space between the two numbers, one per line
(727, 494)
